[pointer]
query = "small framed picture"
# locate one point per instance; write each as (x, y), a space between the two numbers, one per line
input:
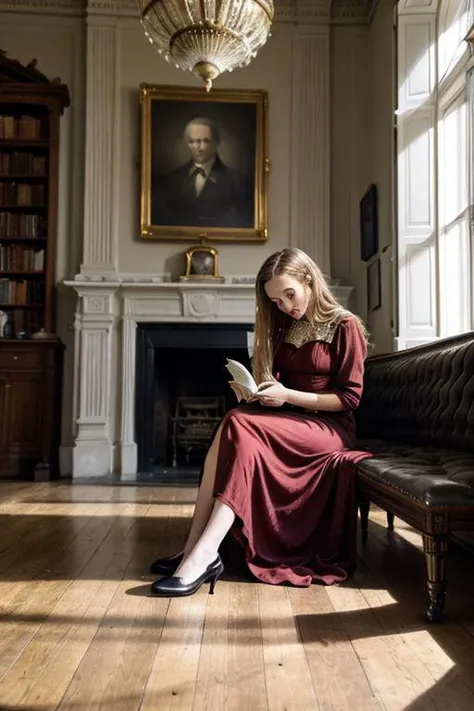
(374, 286)
(369, 234)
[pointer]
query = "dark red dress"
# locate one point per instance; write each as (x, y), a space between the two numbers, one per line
(287, 474)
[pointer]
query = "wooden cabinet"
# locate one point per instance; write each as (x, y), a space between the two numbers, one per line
(3, 411)
(30, 408)
(30, 368)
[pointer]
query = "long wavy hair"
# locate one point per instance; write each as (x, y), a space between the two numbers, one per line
(271, 323)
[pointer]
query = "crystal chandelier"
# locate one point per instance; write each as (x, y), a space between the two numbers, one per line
(207, 37)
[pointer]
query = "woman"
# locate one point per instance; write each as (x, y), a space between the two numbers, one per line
(282, 477)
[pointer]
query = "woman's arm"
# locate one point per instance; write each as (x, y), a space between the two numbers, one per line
(314, 401)
(275, 395)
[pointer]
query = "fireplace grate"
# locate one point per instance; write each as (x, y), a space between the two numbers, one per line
(193, 424)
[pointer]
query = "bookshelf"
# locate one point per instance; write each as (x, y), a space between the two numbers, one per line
(30, 354)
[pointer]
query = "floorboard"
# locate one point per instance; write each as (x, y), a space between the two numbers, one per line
(80, 633)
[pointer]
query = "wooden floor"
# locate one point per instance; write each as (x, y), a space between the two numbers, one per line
(79, 632)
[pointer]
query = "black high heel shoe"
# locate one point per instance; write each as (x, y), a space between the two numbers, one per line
(166, 566)
(174, 586)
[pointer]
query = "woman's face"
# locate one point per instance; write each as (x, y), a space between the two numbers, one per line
(290, 295)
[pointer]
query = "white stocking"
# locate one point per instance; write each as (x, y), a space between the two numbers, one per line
(206, 548)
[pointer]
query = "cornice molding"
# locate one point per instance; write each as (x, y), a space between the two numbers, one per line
(352, 11)
(45, 7)
(289, 11)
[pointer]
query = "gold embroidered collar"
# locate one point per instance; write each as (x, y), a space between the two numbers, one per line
(302, 331)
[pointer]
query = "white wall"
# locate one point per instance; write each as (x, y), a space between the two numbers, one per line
(382, 66)
(362, 153)
(351, 156)
(272, 71)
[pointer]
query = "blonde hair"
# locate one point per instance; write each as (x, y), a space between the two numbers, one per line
(271, 323)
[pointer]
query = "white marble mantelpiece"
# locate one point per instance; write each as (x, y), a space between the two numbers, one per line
(184, 301)
(106, 321)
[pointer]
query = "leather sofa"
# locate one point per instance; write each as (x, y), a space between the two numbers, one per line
(417, 417)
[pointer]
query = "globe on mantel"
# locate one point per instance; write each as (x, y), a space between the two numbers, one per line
(207, 37)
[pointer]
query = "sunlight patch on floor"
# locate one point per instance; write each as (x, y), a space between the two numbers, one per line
(89, 510)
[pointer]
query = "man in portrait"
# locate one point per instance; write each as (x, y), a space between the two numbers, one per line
(204, 192)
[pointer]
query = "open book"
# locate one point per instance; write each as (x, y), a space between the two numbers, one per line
(242, 376)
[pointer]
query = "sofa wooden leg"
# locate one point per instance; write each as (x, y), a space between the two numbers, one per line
(435, 550)
(390, 519)
(364, 508)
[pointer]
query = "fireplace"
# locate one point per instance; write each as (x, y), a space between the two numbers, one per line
(182, 393)
(110, 419)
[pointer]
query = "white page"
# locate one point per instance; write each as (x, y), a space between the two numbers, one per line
(241, 375)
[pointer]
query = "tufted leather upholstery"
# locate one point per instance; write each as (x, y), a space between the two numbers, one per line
(417, 417)
(433, 477)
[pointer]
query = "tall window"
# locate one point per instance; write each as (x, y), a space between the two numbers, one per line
(435, 182)
(454, 170)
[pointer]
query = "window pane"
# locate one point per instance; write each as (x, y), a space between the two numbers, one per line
(454, 240)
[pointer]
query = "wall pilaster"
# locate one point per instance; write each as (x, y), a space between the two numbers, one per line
(95, 325)
(128, 445)
(310, 196)
(101, 151)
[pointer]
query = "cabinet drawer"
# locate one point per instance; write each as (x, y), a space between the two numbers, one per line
(25, 358)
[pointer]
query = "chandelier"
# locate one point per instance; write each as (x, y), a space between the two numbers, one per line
(207, 37)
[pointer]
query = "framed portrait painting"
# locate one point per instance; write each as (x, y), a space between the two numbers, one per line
(204, 164)
(369, 235)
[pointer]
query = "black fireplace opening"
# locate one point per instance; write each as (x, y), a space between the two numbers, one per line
(182, 392)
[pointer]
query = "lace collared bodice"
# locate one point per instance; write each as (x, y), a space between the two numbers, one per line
(302, 331)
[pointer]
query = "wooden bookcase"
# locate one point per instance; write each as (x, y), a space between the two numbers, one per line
(30, 353)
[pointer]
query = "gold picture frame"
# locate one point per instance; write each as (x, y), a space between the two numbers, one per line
(204, 164)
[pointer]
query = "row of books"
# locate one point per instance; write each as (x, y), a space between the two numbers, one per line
(21, 163)
(21, 292)
(14, 258)
(23, 194)
(22, 127)
(13, 224)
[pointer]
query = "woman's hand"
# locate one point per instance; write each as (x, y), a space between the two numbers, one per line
(270, 393)
(241, 393)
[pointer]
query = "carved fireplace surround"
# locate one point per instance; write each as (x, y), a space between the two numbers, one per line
(105, 356)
